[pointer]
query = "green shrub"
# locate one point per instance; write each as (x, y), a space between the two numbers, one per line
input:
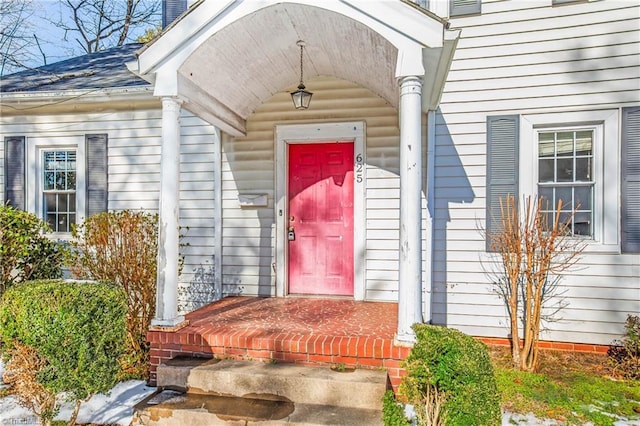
(77, 329)
(450, 379)
(624, 355)
(121, 247)
(393, 411)
(25, 253)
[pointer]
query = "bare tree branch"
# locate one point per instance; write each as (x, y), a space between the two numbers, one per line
(44, 56)
(99, 24)
(15, 35)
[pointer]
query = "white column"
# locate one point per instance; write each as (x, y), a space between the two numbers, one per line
(410, 274)
(168, 235)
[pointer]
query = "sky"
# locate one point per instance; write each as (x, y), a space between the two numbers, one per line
(51, 38)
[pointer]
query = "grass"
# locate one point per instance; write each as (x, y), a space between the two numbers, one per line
(570, 387)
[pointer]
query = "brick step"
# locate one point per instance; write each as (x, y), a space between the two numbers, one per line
(359, 388)
(193, 409)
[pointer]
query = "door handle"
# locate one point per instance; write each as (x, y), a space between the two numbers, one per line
(291, 234)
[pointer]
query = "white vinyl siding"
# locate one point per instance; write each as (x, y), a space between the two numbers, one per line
(531, 59)
(134, 139)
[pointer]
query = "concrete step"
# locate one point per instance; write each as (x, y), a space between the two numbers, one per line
(359, 388)
(171, 408)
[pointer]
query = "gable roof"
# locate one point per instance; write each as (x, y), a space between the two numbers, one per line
(224, 59)
(99, 70)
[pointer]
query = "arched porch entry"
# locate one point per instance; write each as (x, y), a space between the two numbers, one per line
(221, 61)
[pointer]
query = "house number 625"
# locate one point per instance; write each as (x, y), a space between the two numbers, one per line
(359, 168)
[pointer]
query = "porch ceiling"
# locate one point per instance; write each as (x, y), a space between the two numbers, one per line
(224, 59)
(253, 58)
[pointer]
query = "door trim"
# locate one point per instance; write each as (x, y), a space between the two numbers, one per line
(318, 133)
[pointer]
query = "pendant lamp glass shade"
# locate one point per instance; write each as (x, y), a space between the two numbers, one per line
(301, 98)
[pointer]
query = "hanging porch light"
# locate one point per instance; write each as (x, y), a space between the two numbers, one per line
(301, 98)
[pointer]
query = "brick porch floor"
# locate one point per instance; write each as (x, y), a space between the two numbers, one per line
(296, 330)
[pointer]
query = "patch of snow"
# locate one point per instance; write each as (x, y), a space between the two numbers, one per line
(114, 408)
(515, 419)
(511, 419)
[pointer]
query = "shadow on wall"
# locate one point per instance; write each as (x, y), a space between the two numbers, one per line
(248, 253)
(452, 186)
(266, 285)
(201, 289)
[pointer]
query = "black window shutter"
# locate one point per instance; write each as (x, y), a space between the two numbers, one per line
(630, 215)
(14, 171)
(503, 137)
(464, 7)
(97, 189)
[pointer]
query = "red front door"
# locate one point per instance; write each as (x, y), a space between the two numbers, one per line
(321, 219)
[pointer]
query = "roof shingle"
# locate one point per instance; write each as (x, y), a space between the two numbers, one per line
(99, 70)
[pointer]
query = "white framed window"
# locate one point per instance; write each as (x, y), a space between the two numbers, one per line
(574, 156)
(59, 188)
(56, 181)
(422, 3)
(464, 7)
(566, 177)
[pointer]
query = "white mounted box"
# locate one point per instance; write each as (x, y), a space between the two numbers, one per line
(253, 200)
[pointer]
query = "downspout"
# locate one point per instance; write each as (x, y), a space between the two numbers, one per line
(430, 189)
(217, 208)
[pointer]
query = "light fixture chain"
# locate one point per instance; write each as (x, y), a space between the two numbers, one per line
(301, 71)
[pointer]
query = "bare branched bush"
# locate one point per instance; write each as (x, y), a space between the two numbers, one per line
(121, 247)
(429, 410)
(624, 355)
(534, 251)
(21, 374)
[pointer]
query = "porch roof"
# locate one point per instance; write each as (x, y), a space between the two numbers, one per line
(225, 59)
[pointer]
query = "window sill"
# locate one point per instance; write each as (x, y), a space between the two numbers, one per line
(599, 248)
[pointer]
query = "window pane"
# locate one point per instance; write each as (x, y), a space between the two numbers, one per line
(63, 223)
(60, 181)
(545, 171)
(583, 197)
(565, 144)
(72, 204)
(584, 142)
(51, 219)
(49, 180)
(564, 170)
(547, 198)
(50, 202)
(583, 169)
(582, 224)
(546, 144)
(564, 194)
(63, 206)
(551, 216)
(565, 218)
(71, 181)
